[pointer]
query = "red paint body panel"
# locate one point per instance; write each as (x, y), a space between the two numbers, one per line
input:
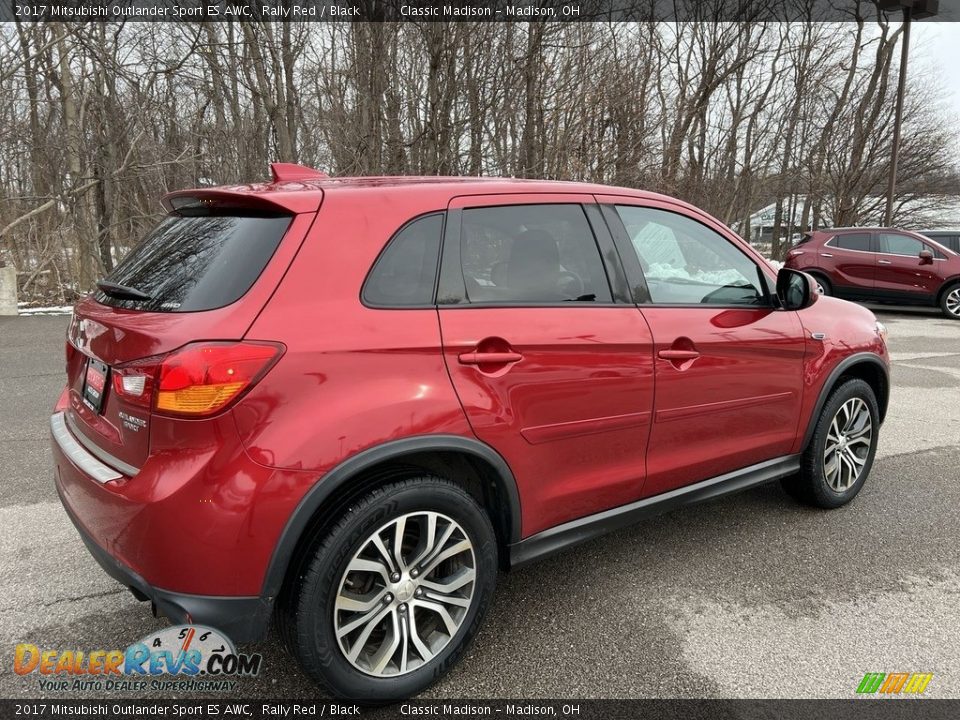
(352, 377)
(850, 268)
(843, 325)
(198, 518)
(577, 400)
(735, 405)
(905, 274)
(571, 417)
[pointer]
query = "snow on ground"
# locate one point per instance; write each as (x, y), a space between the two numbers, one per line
(48, 310)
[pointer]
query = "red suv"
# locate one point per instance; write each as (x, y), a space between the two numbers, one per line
(348, 403)
(881, 264)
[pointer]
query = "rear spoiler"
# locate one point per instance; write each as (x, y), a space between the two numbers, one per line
(289, 200)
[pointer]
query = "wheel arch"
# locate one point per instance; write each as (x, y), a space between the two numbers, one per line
(477, 467)
(865, 366)
(946, 285)
(819, 275)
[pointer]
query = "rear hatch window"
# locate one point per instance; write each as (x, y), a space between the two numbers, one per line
(194, 261)
(182, 284)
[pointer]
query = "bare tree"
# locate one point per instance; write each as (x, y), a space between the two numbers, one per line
(97, 120)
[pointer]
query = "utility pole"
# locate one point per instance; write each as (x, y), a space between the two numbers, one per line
(898, 117)
(911, 9)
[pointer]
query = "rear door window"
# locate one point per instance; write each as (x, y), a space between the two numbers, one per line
(190, 263)
(852, 241)
(531, 254)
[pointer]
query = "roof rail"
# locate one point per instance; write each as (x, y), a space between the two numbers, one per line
(283, 172)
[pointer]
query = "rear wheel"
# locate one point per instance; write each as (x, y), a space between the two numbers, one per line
(394, 592)
(840, 454)
(950, 302)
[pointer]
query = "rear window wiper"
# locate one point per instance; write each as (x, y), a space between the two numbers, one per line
(122, 292)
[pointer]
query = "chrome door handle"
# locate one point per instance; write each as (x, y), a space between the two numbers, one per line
(884, 262)
(825, 255)
(489, 358)
(678, 354)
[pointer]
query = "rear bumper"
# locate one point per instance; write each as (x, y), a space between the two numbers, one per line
(77, 453)
(242, 619)
(193, 530)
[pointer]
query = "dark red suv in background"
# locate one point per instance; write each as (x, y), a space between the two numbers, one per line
(881, 265)
(347, 403)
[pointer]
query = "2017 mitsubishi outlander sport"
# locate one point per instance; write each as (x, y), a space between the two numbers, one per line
(346, 404)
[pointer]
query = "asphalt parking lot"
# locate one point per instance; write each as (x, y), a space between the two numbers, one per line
(750, 596)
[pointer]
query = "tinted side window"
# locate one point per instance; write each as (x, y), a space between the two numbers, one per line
(948, 241)
(531, 254)
(852, 241)
(896, 244)
(193, 263)
(687, 263)
(404, 273)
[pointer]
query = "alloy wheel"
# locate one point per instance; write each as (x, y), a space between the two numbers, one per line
(848, 444)
(952, 302)
(405, 594)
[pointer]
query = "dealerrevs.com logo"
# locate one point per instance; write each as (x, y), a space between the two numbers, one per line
(196, 658)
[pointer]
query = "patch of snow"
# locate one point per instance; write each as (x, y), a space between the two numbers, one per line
(50, 310)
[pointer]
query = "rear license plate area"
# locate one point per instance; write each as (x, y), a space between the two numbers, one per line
(94, 384)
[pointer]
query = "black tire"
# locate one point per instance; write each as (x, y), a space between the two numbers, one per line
(811, 484)
(824, 283)
(948, 298)
(306, 617)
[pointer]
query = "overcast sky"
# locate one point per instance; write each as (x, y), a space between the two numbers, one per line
(935, 49)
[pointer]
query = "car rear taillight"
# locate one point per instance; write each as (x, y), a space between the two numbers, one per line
(135, 381)
(203, 378)
(197, 380)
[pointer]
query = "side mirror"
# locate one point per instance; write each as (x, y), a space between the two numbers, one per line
(796, 290)
(926, 257)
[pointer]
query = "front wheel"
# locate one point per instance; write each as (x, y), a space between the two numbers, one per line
(950, 302)
(823, 285)
(394, 592)
(839, 456)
